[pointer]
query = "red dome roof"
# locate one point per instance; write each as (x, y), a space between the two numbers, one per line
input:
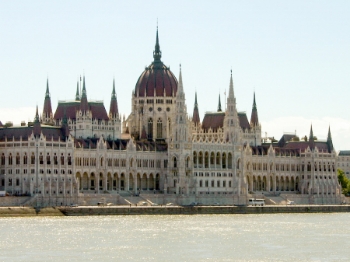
(157, 79)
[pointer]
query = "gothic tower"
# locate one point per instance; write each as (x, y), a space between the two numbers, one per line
(180, 145)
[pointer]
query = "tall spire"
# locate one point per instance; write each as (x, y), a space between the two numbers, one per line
(37, 125)
(84, 106)
(230, 92)
(219, 105)
(254, 120)
(77, 96)
(36, 118)
(195, 117)
(113, 110)
(47, 110)
(180, 86)
(157, 54)
(311, 139)
(47, 94)
(329, 141)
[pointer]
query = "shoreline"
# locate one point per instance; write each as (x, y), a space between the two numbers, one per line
(167, 210)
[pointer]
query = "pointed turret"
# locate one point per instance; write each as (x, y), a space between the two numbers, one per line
(195, 118)
(47, 111)
(113, 110)
(231, 94)
(311, 139)
(180, 88)
(77, 95)
(37, 125)
(329, 141)
(84, 106)
(219, 105)
(254, 121)
(157, 54)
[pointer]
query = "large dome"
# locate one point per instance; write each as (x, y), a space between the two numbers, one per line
(157, 79)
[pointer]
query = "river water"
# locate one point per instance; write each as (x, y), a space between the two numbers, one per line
(267, 237)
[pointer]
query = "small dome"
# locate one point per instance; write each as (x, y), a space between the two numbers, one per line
(157, 79)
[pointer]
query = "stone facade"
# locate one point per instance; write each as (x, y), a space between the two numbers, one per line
(158, 149)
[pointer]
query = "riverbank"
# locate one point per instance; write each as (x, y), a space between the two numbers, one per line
(167, 210)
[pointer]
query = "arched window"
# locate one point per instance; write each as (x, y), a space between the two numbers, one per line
(150, 128)
(32, 159)
(175, 162)
(25, 159)
(187, 162)
(17, 159)
(229, 160)
(2, 159)
(159, 128)
(223, 162)
(10, 159)
(48, 159)
(169, 126)
(218, 159)
(195, 158)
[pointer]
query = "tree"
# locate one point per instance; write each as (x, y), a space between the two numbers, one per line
(344, 182)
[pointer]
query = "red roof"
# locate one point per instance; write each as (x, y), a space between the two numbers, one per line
(243, 120)
(50, 132)
(156, 78)
(70, 108)
(213, 120)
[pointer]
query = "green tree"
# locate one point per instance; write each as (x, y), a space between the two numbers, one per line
(344, 182)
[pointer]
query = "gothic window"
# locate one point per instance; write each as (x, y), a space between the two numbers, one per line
(150, 128)
(41, 159)
(200, 159)
(55, 159)
(10, 159)
(212, 157)
(17, 159)
(32, 159)
(159, 128)
(62, 159)
(48, 160)
(229, 160)
(218, 158)
(195, 158)
(169, 126)
(206, 160)
(2, 159)
(223, 160)
(175, 162)
(69, 160)
(25, 159)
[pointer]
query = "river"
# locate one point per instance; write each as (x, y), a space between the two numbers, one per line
(268, 237)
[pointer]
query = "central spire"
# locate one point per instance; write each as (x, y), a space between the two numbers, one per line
(157, 54)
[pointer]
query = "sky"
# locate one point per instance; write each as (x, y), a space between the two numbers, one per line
(295, 55)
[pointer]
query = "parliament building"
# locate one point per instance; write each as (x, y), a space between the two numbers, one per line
(161, 152)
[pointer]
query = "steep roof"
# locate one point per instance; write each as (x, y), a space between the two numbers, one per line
(243, 120)
(15, 133)
(213, 120)
(303, 145)
(344, 153)
(97, 109)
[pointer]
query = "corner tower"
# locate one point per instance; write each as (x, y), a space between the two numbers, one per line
(180, 146)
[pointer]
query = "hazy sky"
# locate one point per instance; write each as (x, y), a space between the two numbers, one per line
(294, 54)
